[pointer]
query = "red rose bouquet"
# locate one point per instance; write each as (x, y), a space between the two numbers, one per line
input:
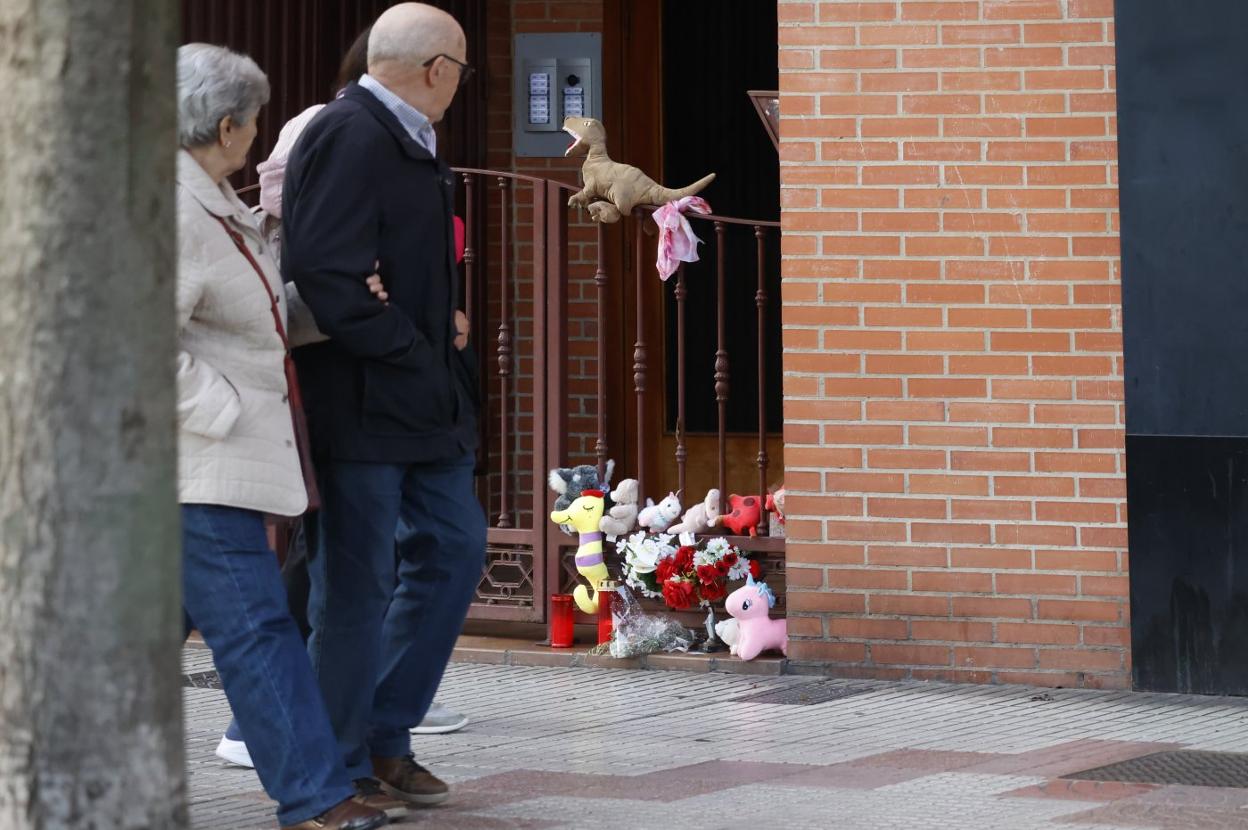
(684, 576)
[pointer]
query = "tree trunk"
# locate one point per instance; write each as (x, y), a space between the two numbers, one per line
(90, 619)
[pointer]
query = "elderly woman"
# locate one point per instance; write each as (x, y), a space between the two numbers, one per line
(237, 453)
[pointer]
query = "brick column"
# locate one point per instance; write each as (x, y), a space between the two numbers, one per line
(952, 333)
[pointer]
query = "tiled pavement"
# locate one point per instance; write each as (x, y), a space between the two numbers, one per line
(601, 748)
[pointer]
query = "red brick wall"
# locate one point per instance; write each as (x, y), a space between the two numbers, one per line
(582, 387)
(952, 331)
(506, 18)
(509, 18)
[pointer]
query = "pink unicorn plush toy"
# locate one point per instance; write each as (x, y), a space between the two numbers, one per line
(756, 631)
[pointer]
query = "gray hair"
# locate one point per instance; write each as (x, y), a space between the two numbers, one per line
(213, 83)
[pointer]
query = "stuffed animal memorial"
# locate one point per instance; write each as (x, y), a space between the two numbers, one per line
(755, 631)
(744, 514)
(775, 504)
(570, 482)
(658, 517)
(620, 187)
(699, 518)
(621, 518)
(583, 514)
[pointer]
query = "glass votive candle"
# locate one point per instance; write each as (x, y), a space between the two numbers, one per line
(606, 601)
(561, 619)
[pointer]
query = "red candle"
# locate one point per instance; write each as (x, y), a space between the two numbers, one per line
(561, 621)
(606, 595)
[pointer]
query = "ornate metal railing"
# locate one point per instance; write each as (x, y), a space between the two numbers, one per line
(506, 285)
(540, 289)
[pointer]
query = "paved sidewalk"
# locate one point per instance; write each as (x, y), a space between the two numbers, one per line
(604, 749)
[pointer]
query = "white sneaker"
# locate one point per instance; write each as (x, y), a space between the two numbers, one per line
(439, 720)
(234, 752)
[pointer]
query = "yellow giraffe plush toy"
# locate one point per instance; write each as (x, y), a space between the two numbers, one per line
(584, 515)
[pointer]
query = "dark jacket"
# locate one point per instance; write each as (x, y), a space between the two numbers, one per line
(389, 385)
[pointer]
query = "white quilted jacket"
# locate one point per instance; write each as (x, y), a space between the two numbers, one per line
(236, 442)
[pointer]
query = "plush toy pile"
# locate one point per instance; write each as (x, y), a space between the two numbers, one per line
(670, 555)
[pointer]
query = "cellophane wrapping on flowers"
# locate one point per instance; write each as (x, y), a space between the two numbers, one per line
(637, 633)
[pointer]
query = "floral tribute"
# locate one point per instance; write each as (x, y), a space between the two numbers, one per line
(683, 572)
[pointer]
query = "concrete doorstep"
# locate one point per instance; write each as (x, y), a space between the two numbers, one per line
(515, 651)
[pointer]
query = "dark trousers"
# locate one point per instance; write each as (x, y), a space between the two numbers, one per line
(381, 640)
(298, 586)
(232, 593)
(295, 578)
(295, 570)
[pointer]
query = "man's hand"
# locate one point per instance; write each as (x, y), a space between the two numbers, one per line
(378, 290)
(375, 286)
(461, 326)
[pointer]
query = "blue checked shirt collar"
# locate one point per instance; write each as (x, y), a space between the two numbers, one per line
(412, 119)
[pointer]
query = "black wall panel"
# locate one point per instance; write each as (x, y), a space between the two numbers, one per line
(1189, 573)
(1183, 150)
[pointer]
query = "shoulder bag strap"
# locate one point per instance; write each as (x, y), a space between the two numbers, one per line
(302, 437)
(241, 244)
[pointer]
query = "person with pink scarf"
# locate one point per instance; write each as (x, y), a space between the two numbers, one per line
(272, 171)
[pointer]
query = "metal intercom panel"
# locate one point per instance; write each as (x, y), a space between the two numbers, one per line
(556, 76)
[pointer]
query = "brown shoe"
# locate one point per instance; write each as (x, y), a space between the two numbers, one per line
(407, 780)
(368, 792)
(348, 815)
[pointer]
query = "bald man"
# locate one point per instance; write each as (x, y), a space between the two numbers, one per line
(391, 397)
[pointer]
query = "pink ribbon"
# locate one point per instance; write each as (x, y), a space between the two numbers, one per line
(677, 242)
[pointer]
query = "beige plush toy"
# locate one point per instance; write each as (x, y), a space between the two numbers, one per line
(701, 517)
(622, 187)
(622, 517)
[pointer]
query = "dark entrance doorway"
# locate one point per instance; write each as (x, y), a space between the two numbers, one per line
(1183, 111)
(713, 52)
(684, 112)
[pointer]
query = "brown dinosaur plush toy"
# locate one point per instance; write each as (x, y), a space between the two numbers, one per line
(621, 186)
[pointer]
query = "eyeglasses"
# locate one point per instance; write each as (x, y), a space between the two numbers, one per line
(465, 71)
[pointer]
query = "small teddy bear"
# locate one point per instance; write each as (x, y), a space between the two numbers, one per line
(622, 517)
(701, 517)
(657, 517)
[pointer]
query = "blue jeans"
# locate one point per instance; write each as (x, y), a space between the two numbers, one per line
(232, 592)
(381, 639)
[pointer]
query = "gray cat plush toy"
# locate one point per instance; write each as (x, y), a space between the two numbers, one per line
(570, 482)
